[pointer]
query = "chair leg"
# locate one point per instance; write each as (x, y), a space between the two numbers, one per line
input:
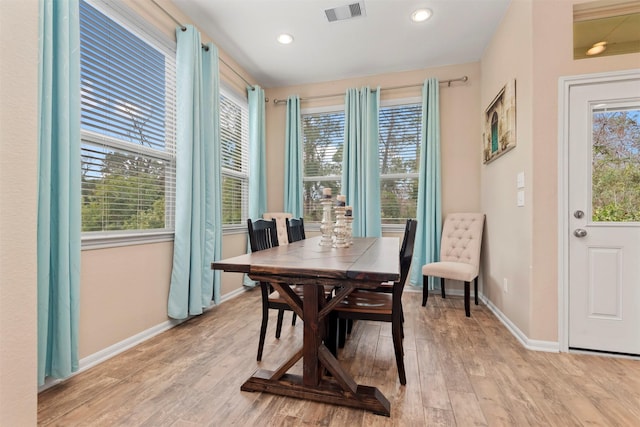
(294, 317)
(425, 290)
(342, 332)
(331, 338)
(263, 331)
(442, 286)
(467, 291)
(279, 324)
(399, 350)
(475, 287)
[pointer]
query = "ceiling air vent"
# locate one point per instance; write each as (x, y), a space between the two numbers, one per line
(349, 11)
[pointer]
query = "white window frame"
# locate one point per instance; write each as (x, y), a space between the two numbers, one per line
(118, 12)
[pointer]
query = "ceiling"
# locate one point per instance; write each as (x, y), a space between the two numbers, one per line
(383, 40)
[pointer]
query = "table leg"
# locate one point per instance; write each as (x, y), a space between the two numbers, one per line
(340, 390)
(311, 369)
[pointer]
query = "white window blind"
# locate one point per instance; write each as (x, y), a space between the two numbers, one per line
(234, 139)
(127, 73)
(323, 145)
(399, 129)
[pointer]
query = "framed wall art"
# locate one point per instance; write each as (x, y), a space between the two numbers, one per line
(500, 124)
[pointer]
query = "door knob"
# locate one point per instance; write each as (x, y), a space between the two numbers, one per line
(579, 232)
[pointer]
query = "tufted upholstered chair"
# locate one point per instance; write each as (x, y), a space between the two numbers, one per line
(459, 255)
(281, 226)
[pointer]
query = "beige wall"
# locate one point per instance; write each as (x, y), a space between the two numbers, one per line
(533, 44)
(18, 201)
(507, 238)
(123, 292)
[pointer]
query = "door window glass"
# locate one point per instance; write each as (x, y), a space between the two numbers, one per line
(615, 173)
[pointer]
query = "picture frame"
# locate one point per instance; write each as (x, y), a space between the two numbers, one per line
(499, 135)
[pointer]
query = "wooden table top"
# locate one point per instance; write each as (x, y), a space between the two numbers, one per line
(368, 259)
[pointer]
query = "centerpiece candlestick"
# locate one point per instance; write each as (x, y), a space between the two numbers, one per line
(326, 226)
(340, 228)
(348, 218)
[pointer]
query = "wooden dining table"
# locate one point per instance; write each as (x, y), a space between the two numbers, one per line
(365, 264)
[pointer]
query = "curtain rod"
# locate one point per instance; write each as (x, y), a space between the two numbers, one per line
(448, 82)
(178, 23)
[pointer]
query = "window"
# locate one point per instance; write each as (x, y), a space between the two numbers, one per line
(399, 151)
(234, 139)
(399, 128)
(127, 74)
(323, 142)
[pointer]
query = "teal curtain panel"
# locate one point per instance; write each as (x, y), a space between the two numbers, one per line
(59, 196)
(293, 166)
(198, 215)
(257, 159)
(429, 212)
(360, 161)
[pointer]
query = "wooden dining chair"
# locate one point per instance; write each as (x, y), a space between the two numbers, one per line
(263, 234)
(382, 306)
(295, 229)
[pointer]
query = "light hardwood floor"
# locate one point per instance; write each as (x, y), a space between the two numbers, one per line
(460, 371)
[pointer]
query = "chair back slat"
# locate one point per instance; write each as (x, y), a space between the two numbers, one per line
(263, 234)
(295, 229)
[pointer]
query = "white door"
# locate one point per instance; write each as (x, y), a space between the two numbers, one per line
(604, 216)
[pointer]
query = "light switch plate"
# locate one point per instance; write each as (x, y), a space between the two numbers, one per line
(521, 198)
(520, 180)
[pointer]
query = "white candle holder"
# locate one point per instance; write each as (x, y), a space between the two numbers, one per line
(348, 222)
(340, 229)
(326, 226)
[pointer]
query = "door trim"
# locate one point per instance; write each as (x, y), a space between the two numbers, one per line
(564, 87)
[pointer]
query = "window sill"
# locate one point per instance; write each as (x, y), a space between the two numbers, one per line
(234, 229)
(113, 240)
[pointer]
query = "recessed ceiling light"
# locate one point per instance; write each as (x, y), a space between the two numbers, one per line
(597, 48)
(421, 15)
(285, 38)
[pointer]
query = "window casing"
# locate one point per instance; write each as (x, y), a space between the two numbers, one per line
(234, 141)
(399, 155)
(127, 74)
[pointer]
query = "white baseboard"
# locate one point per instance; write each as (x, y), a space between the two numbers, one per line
(117, 348)
(233, 294)
(536, 345)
